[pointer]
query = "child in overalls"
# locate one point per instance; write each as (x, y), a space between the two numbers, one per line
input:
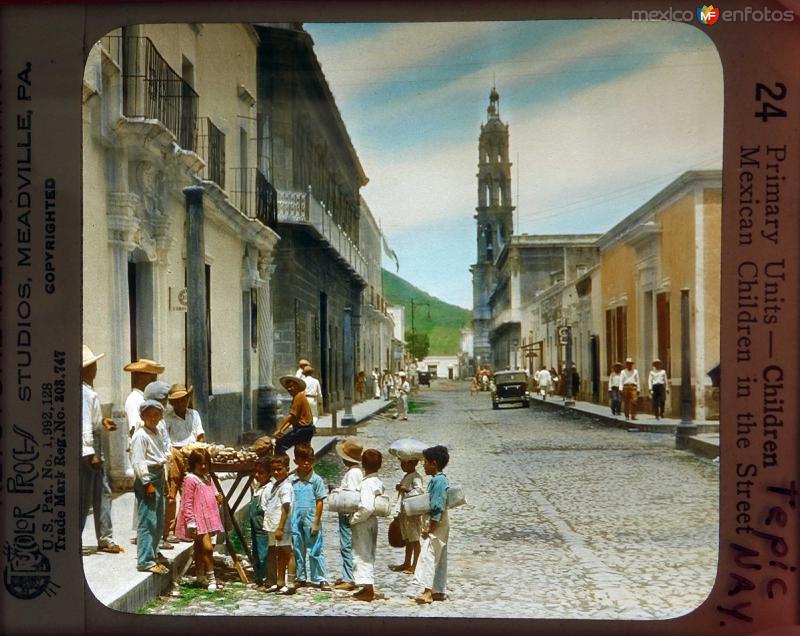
(309, 498)
(431, 570)
(258, 536)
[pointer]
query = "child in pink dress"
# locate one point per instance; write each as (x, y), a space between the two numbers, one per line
(199, 518)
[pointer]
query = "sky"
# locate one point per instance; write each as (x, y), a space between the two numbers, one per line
(602, 115)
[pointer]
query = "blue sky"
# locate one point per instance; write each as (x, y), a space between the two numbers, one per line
(602, 115)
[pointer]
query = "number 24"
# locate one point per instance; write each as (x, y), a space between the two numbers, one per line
(770, 110)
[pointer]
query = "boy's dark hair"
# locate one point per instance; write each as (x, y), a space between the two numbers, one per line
(198, 456)
(282, 459)
(264, 463)
(371, 460)
(303, 450)
(438, 454)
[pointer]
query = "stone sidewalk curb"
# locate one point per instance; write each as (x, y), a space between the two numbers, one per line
(705, 444)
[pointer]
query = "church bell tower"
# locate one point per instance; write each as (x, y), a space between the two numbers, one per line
(495, 220)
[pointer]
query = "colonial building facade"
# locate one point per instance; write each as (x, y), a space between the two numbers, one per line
(179, 225)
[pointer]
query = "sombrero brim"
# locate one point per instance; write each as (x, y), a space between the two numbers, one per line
(179, 394)
(341, 454)
(290, 379)
(144, 366)
(92, 360)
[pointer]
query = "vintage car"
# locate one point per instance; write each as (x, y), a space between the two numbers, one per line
(424, 377)
(510, 387)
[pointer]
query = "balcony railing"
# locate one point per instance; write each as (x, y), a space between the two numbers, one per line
(212, 150)
(302, 207)
(254, 195)
(151, 89)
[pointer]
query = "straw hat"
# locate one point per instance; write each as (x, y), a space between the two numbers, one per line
(303, 363)
(289, 379)
(143, 365)
(627, 360)
(349, 450)
(656, 361)
(617, 364)
(177, 391)
(402, 374)
(89, 357)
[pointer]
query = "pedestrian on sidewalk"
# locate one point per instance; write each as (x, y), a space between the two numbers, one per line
(313, 392)
(629, 378)
(576, 382)
(95, 488)
(184, 427)
(473, 388)
(350, 453)
(300, 419)
(544, 382)
(364, 524)
(199, 519)
(401, 404)
(376, 383)
(276, 502)
(309, 500)
(615, 388)
(431, 570)
(259, 539)
(410, 525)
(657, 383)
(555, 382)
(388, 385)
(148, 456)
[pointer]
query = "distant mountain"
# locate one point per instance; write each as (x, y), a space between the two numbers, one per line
(445, 322)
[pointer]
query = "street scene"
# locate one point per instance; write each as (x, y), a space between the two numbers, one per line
(309, 337)
(564, 518)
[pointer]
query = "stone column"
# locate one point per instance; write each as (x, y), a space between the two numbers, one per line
(686, 427)
(348, 376)
(267, 408)
(197, 344)
(122, 225)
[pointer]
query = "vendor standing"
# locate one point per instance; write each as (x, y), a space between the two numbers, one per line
(184, 427)
(300, 418)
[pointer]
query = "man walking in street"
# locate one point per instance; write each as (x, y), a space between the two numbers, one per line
(543, 381)
(657, 381)
(95, 490)
(403, 389)
(313, 392)
(615, 388)
(629, 379)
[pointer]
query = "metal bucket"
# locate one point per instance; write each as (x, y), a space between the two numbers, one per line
(343, 501)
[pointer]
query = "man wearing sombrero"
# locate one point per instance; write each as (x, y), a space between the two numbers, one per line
(143, 372)
(95, 491)
(184, 427)
(300, 418)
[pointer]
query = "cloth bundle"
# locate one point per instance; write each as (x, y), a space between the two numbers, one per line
(408, 448)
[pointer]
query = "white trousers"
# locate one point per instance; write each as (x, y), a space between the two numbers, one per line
(431, 570)
(312, 402)
(365, 539)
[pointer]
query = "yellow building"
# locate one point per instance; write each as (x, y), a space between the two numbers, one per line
(671, 243)
(180, 277)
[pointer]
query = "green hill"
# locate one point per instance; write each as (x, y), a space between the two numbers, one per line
(445, 322)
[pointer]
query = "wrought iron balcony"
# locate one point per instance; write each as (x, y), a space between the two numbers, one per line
(254, 195)
(303, 208)
(212, 150)
(151, 89)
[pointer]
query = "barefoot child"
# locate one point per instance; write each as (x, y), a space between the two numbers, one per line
(276, 501)
(309, 499)
(365, 526)
(431, 570)
(199, 518)
(258, 535)
(350, 452)
(410, 527)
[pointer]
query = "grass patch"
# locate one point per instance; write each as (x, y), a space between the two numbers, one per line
(418, 406)
(329, 468)
(322, 597)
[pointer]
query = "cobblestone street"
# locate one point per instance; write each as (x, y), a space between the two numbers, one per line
(565, 519)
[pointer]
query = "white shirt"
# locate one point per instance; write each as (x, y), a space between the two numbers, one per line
(371, 487)
(313, 387)
(404, 387)
(298, 373)
(614, 380)
(132, 404)
(413, 483)
(543, 378)
(352, 479)
(272, 501)
(183, 431)
(147, 451)
(92, 420)
(629, 377)
(657, 377)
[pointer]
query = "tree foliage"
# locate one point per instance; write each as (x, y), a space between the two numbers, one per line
(418, 344)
